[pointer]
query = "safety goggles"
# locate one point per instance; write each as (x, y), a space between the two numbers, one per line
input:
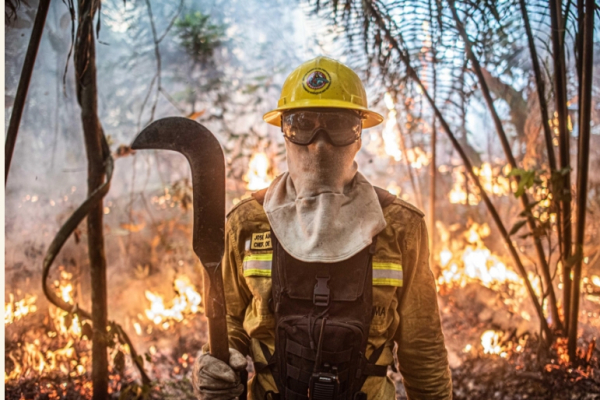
(342, 127)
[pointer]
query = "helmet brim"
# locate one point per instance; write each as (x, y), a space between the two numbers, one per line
(370, 118)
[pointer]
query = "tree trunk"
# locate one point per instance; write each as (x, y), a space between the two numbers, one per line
(432, 186)
(87, 96)
(585, 102)
(433, 160)
(560, 93)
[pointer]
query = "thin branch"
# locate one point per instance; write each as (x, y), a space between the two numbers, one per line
(171, 22)
(171, 100)
(158, 59)
(22, 89)
(139, 123)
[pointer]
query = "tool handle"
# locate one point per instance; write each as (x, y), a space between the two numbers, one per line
(217, 338)
(214, 306)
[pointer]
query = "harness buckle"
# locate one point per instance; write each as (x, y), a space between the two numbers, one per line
(321, 293)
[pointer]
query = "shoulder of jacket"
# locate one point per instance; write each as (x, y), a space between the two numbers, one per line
(245, 213)
(404, 205)
(258, 197)
(250, 204)
(238, 205)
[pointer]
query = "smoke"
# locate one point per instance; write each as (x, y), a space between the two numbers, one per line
(147, 211)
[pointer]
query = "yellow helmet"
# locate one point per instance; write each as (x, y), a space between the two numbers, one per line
(324, 83)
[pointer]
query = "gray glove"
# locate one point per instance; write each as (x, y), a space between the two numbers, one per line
(214, 380)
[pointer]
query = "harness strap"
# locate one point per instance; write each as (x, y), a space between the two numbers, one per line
(271, 365)
(308, 354)
(375, 370)
(369, 367)
(376, 354)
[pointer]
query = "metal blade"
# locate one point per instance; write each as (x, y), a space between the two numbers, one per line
(207, 162)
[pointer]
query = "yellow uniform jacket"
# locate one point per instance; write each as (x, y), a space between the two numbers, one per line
(405, 308)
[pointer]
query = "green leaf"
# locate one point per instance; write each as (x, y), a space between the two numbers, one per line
(515, 172)
(526, 179)
(516, 227)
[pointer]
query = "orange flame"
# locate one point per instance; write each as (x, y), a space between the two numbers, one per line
(493, 180)
(490, 340)
(390, 134)
(258, 175)
(34, 358)
(187, 302)
(16, 310)
(478, 262)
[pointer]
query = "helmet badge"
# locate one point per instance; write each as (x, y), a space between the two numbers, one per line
(316, 81)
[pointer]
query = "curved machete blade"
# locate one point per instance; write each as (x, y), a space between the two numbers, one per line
(206, 159)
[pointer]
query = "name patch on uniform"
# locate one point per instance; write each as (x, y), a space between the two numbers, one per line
(261, 241)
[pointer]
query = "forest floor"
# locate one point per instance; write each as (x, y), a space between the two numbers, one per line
(478, 376)
(514, 373)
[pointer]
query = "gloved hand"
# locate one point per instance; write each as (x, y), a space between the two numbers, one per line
(215, 380)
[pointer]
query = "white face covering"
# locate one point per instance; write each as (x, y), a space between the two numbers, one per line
(323, 210)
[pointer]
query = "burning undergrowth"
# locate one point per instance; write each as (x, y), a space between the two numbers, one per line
(492, 332)
(154, 296)
(519, 376)
(48, 351)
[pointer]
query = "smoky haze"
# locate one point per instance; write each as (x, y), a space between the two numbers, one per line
(147, 219)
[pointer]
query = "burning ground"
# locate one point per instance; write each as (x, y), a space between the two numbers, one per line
(491, 329)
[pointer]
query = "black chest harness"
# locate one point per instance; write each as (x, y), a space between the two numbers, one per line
(323, 313)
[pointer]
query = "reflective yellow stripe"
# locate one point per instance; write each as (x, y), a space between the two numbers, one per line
(387, 274)
(384, 273)
(257, 272)
(387, 265)
(258, 264)
(387, 282)
(259, 257)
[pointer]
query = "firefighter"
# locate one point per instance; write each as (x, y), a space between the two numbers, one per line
(323, 272)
